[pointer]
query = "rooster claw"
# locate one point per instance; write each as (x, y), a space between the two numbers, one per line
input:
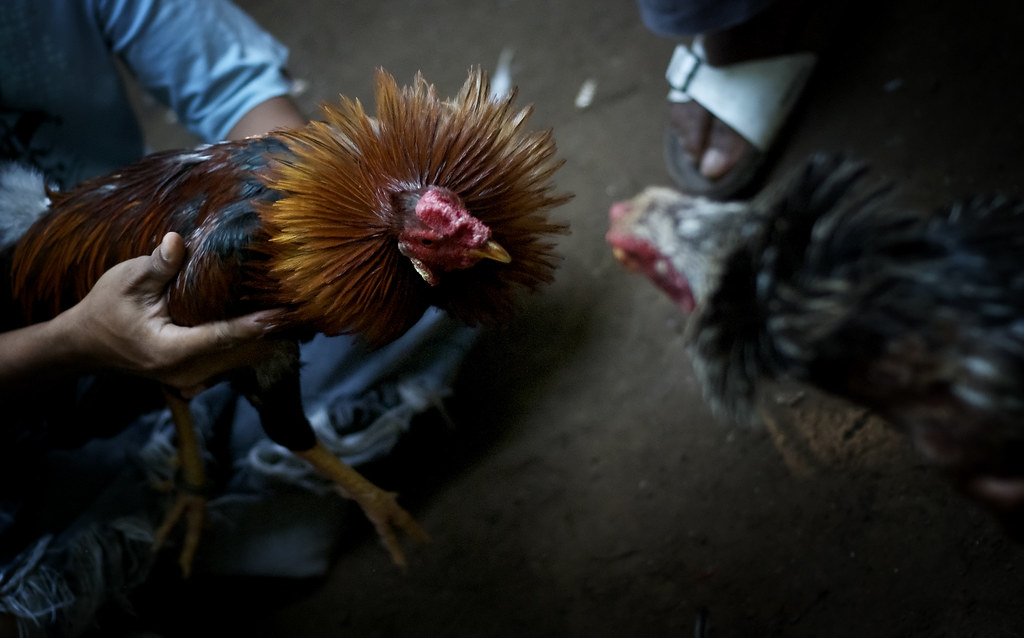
(191, 507)
(388, 518)
(380, 507)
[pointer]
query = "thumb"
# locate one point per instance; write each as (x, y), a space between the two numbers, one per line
(168, 256)
(161, 266)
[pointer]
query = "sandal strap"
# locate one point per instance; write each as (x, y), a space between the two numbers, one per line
(682, 66)
(754, 98)
(681, 69)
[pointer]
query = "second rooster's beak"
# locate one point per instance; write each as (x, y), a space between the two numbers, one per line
(492, 250)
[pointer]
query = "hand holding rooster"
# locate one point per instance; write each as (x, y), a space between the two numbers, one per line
(123, 324)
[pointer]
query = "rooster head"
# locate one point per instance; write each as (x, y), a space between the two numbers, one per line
(679, 242)
(440, 235)
(638, 253)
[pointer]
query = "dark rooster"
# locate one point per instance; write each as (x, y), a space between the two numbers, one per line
(356, 225)
(917, 316)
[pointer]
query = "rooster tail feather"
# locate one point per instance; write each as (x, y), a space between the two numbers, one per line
(23, 200)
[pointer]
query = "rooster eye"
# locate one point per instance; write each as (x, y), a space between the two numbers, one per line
(426, 242)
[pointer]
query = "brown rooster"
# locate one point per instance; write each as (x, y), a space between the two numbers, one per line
(918, 316)
(356, 224)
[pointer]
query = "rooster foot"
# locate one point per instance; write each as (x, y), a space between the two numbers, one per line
(380, 507)
(191, 507)
(388, 517)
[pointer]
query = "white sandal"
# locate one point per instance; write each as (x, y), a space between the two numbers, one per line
(753, 98)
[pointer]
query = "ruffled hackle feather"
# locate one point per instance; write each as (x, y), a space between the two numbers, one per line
(333, 235)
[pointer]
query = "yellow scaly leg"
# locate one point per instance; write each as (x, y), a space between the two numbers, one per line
(380, 506)
(190, 502)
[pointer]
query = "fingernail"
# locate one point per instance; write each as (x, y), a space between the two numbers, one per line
(269, 320)
(163, 248)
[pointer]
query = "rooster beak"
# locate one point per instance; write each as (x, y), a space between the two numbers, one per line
(492, 250)
(623, 258)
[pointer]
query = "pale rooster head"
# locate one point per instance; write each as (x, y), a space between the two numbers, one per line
(679, 242)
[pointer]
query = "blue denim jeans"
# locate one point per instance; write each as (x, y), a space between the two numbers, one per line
(77, 521)
(675, 18)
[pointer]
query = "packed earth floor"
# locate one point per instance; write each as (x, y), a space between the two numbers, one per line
(584, 488)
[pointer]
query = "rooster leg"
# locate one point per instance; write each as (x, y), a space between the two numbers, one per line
(190, 503)
(380, 506)
(274, 391)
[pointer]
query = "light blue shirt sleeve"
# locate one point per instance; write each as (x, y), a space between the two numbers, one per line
(205, 59)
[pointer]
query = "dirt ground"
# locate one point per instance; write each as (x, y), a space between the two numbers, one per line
(586, 490)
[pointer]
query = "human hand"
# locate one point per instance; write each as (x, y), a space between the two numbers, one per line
(124, 324)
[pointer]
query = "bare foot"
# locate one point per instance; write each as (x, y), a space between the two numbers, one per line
(710, 146)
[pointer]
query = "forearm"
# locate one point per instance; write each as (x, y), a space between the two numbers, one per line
(41, 351)
(277, 112)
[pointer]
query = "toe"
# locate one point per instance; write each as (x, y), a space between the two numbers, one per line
(725, 149)
(692, 124)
